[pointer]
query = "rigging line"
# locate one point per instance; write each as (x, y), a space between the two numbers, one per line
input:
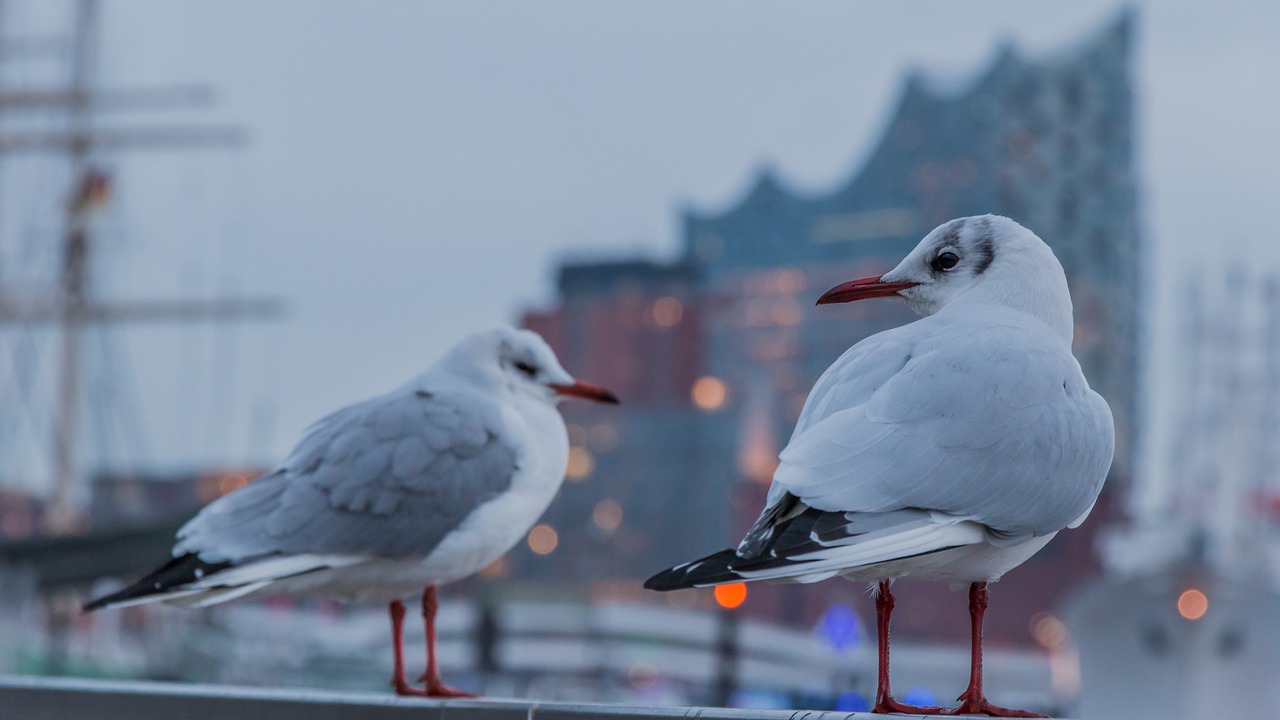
(8, 420)
(102, 396)
(224, 352)
(262, 424)
(26, 371)
(113, 417)
(190, 405)
(133, 423)
(226, 336)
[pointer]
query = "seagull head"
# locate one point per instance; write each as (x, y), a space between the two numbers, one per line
(521, 362)
(985, 258)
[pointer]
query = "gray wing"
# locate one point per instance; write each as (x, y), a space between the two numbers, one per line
(387, 478)
(1005, 433)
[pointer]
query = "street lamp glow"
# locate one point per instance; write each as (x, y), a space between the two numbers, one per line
(607, 515)
(731, 596)
(580, 464)
(709, 393)
(667, 312)
(543, 539)
(1192, 604)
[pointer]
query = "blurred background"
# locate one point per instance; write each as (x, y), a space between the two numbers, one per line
(220, 221)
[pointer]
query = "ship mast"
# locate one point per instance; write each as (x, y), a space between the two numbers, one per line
(72, 307)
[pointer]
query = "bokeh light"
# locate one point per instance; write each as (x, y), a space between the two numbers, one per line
(709, 393)
(667, 312)
(1048, 630)
(1192, 604)
(543, 539)
(919, 695)
(852, 702)
(607, 515)
(496, 569)
(840, 626)
(789, 281)
(731, 596)
(581, 463)
(214, 485)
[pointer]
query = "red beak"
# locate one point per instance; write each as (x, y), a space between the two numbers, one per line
(862, 289)
(586, 390)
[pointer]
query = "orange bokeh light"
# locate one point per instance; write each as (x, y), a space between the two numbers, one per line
(543, 539)
(667, 312)
(732, 595)
(709, 393)
(1192, 604)
(580, 464)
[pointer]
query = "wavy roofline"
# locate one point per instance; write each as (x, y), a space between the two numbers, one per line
(917, 86)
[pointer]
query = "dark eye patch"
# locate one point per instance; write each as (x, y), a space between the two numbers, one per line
(526, 368)
(944, 261)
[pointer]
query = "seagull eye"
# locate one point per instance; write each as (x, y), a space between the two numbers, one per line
(944, 261)
(526, 368)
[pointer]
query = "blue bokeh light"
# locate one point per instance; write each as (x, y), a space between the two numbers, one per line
(840, 627)
(919, 695)
(852, 702)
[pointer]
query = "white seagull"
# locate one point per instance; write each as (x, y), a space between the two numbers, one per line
(424, 485)
(952, 448)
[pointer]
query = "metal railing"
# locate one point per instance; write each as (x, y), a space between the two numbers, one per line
(30, 698)
(564, 652)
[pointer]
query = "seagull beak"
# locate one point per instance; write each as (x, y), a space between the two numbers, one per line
(861, 289)
(585, 390)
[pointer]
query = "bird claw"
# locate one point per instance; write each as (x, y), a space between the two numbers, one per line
(435, 689)
(980, 706)
(886, 705)
(404, 688)
(447, 691)
(889, 705)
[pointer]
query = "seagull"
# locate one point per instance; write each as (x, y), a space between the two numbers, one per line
(952, 448)
(424, 485)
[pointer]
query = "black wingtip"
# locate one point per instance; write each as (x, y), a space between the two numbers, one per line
(666, 580)
(178, 571)
(127, 593)
(710, 570)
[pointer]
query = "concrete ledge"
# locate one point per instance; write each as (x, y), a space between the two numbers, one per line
(73, 699)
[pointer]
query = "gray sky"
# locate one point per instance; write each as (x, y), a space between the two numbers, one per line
(417, 168)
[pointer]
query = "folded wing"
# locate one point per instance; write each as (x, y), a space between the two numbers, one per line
(387, 478)
(1005, 434)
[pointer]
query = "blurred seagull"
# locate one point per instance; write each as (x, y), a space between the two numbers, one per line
(424, 485)
(952, 448)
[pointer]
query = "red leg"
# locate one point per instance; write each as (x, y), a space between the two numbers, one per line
(973, 701)
(435, 688)
(398, 681)
(884, 699)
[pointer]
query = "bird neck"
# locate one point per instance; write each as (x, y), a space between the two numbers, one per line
(1031, 286)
